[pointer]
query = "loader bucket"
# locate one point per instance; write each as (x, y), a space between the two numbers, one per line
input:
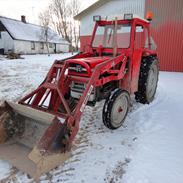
(27, 138)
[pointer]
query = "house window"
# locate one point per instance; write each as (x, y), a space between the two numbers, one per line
(33, 45)
(42, 46)
(50, 45)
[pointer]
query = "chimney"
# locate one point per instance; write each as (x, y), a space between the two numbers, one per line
(23, 18)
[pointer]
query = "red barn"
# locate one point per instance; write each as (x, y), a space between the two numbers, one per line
(167, 25)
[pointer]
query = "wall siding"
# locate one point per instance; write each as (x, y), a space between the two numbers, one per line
(6, 42)
(114, 7)
(24, 47)
(62, 48)
(167, 30)
(111, 8)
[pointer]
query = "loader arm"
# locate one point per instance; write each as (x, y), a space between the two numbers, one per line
(43, 125)
(95, 81)
(59, 88)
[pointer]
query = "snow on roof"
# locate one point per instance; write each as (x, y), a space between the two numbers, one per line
(30, 32)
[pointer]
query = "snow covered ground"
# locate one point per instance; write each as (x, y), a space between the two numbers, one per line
(148, 149)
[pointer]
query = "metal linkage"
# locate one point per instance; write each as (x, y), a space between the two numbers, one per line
(56, 86)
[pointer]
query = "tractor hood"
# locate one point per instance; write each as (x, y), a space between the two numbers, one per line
(91, 61)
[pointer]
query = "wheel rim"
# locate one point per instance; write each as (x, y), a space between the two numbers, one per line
(119, 110)
(152, 82)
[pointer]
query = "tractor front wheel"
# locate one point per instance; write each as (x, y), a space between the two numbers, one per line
(116, 108)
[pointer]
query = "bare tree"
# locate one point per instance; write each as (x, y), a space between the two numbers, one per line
(44, 19)
(62, 13)
(74, 7)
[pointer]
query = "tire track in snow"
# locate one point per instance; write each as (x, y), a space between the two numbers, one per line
(91, 124)
(160, 97)
(81, 144)
(147, 122)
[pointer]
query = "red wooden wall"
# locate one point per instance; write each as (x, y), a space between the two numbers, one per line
(167, 30)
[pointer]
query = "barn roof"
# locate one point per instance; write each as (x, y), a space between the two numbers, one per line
(29, 32)
(94, 6)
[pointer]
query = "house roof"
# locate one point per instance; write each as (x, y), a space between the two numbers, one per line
(97, 4)
(29, 32)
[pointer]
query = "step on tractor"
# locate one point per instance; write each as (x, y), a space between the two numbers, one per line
(36, 134)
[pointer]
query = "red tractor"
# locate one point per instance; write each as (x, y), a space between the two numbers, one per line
(119, 62)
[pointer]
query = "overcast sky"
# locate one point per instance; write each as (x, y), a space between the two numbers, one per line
(29, 8)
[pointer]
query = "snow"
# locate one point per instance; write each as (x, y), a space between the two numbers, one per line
(23, 75)
(29, 32)
(147, 149)
(159, 152)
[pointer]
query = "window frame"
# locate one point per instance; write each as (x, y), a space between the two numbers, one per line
(33, 45)
(50, 45)
(42, 45)
(106, 28)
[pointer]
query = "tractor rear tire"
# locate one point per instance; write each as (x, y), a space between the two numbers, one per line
(148, 80)
(116, 108)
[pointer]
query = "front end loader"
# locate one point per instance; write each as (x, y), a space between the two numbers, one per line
(36, 134)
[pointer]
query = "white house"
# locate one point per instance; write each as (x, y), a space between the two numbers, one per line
(26, 38)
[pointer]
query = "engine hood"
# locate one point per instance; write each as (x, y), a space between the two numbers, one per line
(91, 61)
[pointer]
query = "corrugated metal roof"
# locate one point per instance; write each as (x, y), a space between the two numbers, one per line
(29, 32)
(97, 4)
